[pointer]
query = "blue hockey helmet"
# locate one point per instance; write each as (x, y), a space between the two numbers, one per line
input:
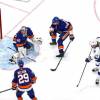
(20, 63)
(55, 20)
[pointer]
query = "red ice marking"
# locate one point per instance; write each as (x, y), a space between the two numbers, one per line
(14, 7)
(95, 11)
(28, 14)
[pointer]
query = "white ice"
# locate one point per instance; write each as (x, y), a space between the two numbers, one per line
(59, 85)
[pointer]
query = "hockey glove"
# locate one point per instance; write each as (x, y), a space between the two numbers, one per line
(33, 80)
(88, 59)
(71, 37)
(98, 73)
(51, 31)
(96, 57)
(14, 86)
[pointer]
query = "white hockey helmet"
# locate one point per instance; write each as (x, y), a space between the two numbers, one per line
(98, 39)
(93, 43)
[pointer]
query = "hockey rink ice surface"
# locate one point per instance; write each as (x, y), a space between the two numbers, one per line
(61, 84)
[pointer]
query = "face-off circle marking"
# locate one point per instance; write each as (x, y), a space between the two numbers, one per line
(95, 9)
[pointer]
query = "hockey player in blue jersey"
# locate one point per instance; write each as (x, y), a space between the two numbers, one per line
(21, 43)
(63, 28)
(23, 80)
(21, 36)
(24, 41)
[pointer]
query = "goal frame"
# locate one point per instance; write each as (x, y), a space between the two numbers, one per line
(0, 25)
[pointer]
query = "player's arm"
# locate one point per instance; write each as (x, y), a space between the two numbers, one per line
(14, 38)
(30, 33)
(32, 76)
(51, 29)
(14, 82)
(70, 29)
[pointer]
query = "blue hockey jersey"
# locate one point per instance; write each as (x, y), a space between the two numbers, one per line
(62, 26)
(23, 78)
(21, 38)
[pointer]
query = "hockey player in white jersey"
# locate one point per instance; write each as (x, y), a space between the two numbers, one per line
(95, 55)
(95, 45)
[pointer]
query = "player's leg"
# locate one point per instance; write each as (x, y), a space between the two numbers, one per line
(19, 95)
(20, 54)
(15, 46)
(60, 47)
(62, 37)
(96, 69)
(53, 38)
(28, 45)
(31, 94)
(14, 58)
(97, 81)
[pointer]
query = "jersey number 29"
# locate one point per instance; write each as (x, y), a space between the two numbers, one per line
(23, 78)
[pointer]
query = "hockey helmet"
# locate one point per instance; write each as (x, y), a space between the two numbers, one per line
(23, 28)
(93, 43)
(20, 63)
(98, 39)
(55, 20)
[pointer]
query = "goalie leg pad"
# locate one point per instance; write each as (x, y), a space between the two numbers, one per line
(14, 58)
(22, 52)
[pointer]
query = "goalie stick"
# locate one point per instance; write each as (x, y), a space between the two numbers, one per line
(22, 54)
(61, 58)
(5, 90)
(83, 69)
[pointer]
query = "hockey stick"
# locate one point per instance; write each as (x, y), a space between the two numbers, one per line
(61, 58)
(84, 69)
(11, 49)
(5, 90)
(22, 54)
(29, 57)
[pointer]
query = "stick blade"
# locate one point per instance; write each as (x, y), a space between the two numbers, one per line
(77, 86)
(53, 69)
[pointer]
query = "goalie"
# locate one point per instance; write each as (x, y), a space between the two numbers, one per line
(23, 40)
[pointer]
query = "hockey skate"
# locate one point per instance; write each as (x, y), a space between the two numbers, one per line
(12, 61)
(95, 70)
(97, 82)
(53, 43)
(60, 55)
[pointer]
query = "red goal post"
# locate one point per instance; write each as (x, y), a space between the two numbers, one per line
(0, 25)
